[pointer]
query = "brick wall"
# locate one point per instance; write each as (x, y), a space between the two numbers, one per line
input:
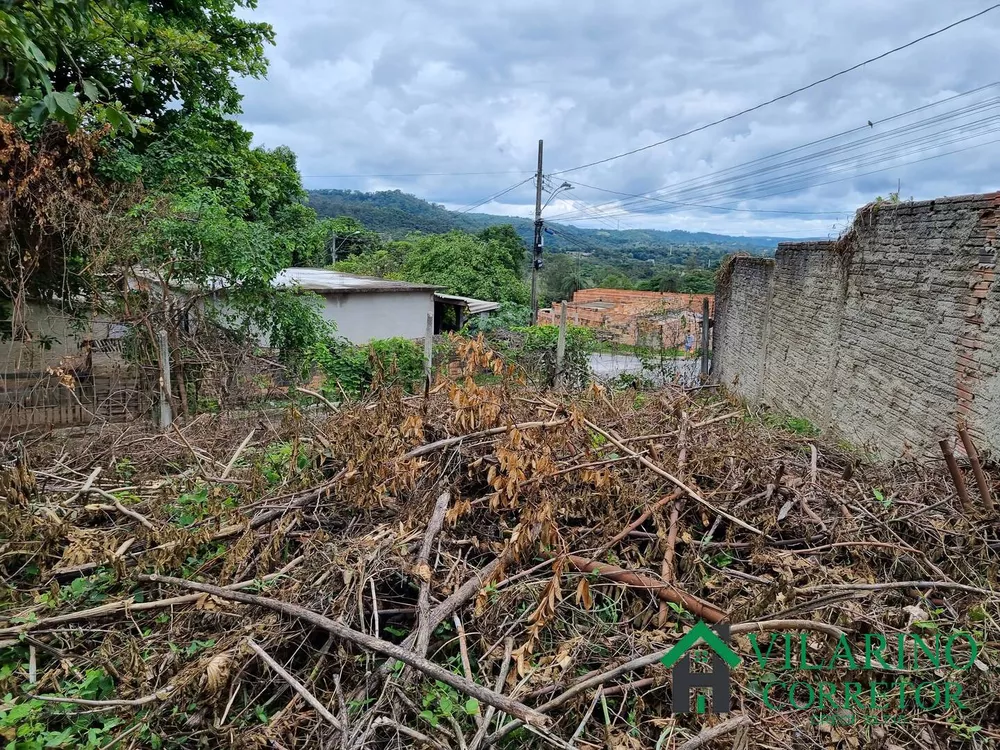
(669, 300)
(890, 337)
(629, 317)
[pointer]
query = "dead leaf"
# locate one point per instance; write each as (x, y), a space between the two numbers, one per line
(583, 595)
(217, 672)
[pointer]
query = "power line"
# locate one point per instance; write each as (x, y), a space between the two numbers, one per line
(484, 201)
(715, 208)
(749, 185)
(862, 174)
(783, 96)
(416, 174)
(690, 186)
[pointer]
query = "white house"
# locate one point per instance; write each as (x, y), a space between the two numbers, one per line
(365, 308)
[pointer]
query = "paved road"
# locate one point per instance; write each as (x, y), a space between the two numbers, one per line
(606, 366)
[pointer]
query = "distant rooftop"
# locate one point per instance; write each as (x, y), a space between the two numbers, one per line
(321, 280)
(474, 306)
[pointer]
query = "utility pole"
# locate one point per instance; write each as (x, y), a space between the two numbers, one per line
(536, 249)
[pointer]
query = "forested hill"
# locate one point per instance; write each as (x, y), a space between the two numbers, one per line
(397, 214)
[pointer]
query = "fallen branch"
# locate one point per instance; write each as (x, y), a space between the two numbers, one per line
(897, 585)
(501, 679)
(713, 733)
(444, 610)
(425, 574)
(413, 734)
(634, 665)
(159, 695)
(117, 505)
(86, 485)
(665, 474)
(706, 423)
(317, 396)
(480, 693)
(130, 605)
(675, 495)
(664, 591)
(236, 455)
(423, 450)
(297, 686)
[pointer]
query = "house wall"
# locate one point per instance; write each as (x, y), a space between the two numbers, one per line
(379, 315)
(54, 338)
(889, 337)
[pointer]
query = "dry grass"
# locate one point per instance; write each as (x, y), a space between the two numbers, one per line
(333, 502)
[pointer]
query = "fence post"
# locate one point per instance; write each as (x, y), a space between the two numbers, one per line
(429, 349)
(705, 312)
(166, 414)
(560, 379)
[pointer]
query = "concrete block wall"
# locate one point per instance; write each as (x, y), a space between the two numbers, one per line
(740, 326)
(804, 328)
(889, 337)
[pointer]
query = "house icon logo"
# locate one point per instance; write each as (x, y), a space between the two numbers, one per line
(686, 651)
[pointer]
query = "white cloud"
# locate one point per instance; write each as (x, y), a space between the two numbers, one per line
(390, 86)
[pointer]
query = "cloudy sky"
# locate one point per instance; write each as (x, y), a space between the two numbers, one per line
(403, 88)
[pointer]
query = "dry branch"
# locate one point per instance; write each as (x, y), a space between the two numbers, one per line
(665, 591)
(484, 695)
(297, 686)
(713, 733)
(423, 450)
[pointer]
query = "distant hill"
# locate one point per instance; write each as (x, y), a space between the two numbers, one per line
(397, 214)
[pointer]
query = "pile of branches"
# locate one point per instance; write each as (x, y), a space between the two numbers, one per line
(480, 566)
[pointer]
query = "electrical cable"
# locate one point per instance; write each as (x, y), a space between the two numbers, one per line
(782, 96)
(715, 178)
(713, 187)
(494, 196)
(417, 174)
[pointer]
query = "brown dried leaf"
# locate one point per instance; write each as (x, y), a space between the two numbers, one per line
(217, 672)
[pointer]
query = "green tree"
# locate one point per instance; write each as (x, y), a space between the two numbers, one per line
(141, 58)
(615, 281)
(464, 264)
(506, 239)
(562, 276)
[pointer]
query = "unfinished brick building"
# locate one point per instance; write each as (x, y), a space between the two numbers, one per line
(653, 319)
(889, 336)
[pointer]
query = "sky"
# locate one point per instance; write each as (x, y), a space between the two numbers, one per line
(409, 89)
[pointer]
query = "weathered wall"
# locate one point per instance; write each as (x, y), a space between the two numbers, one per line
(740, 323)
(360, 318)
(890, 337)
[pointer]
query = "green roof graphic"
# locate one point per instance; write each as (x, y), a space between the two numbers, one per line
(697, 634)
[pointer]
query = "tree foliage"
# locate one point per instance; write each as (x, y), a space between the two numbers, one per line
(485, 266)
(134, 59)
(201, 205)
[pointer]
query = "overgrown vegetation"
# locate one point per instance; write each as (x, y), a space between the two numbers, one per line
(512, 543)
(125, 174)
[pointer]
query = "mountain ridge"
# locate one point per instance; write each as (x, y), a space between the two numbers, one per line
(397, 213)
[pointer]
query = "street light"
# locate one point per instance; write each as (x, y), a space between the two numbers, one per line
(344, 239)
(565, 186)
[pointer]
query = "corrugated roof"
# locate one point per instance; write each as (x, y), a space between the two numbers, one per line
(474, 306)
(324, 281)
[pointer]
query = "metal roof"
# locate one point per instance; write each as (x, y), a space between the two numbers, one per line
(474, 306)
(334, 282)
